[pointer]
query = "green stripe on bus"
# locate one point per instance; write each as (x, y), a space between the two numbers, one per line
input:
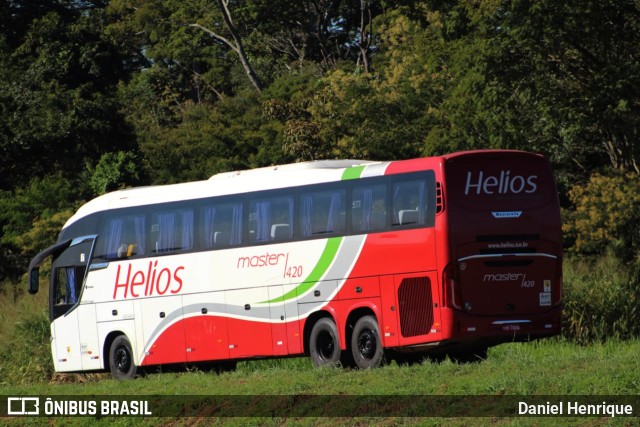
(325, 261)
(352, 173)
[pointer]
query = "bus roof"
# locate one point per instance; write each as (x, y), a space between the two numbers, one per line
(475, 153)
(227, 183)
(318, 164)
(270, 177)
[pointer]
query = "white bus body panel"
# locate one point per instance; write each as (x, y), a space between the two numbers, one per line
(65, 343)
(90, 348)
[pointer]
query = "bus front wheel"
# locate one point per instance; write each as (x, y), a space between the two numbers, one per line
(366, 346)
(121, 361)
(324, 345)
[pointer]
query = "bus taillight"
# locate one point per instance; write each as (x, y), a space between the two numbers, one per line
(452, 288)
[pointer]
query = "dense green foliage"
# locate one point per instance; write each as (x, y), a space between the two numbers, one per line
(601, 300)
(97, 95)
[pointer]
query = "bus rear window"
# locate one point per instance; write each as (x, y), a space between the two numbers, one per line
(498, 181)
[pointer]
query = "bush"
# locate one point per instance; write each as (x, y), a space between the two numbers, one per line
(606, 215)
(30, 220)
(28, 358)
(602, 299)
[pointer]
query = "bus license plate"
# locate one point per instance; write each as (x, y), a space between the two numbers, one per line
(511, 328)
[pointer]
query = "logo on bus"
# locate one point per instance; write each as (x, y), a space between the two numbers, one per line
(271, 260)
(263, 260)
(510, 277)
(154, 281)
(509, 214)
(501, 184)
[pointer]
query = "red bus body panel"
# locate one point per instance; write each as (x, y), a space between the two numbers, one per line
(504, 232)
(497, 233)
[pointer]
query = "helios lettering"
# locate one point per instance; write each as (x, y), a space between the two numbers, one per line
(154, 281)
(502, 184)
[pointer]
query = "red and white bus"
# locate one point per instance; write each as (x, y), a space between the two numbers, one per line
(339, 260)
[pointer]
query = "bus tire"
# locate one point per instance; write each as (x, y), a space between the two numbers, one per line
(366, 346)
(324, 344)
(121, 363)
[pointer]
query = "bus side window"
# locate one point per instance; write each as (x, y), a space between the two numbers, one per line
(271, 219)
(122, 237)
(409, 203)
(369, 208)
(172, 230)
(68, 281)
(61, 287)
(221, 225)
(323, 212)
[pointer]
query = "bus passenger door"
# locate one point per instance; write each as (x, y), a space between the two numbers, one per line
(89, 341)
(418, 310)
(72, 335)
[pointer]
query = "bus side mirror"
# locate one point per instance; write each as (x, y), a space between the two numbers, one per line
(34, 280)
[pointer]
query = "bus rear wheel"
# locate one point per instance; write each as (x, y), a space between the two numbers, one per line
(366, 346)
(324, 345)
(121, 362)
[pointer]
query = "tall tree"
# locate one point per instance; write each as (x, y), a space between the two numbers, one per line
(365, 35)
(57, 93)
(59, 74)
(557, 77)
(234, 41)
(198, 41)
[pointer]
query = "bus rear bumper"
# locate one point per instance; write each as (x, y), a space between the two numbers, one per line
(492, 330)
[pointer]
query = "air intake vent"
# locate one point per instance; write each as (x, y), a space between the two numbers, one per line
(416, 306)
(439, 198)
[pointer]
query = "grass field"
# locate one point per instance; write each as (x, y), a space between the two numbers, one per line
(550, 367)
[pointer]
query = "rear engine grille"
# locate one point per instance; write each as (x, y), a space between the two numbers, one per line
(416, 306)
